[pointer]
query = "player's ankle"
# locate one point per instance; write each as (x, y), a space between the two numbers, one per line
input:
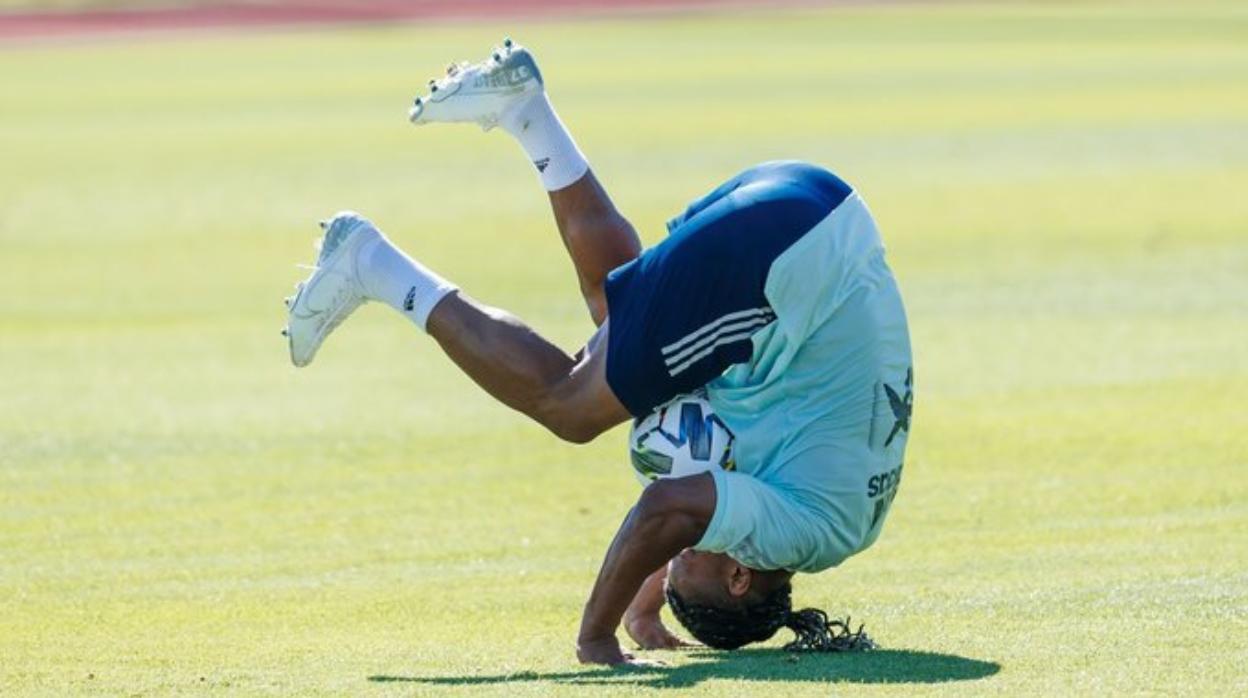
(535, 125)
(388, 275)
(515, 118)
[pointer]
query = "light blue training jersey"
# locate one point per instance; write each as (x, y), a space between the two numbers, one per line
(821, 411)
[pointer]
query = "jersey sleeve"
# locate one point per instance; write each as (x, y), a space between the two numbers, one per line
(763, 527)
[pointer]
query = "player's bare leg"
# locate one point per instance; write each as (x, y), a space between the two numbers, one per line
(357, 263)
(596, 236)
(507, 90)
(567, 394)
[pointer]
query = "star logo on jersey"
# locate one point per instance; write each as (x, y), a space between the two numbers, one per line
(901, 406)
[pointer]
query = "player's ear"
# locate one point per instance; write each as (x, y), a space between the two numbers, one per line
(739, 580)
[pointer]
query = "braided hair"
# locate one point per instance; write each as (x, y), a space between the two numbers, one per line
(730, 628)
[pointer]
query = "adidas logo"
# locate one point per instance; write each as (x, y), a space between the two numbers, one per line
(409, 301)
(541, 164)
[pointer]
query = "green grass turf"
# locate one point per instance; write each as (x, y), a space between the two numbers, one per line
(1062, 189)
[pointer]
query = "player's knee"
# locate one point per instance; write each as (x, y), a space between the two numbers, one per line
(596, 299)
(569, 424)
(567, 416)
(578, 433)
(578, 405)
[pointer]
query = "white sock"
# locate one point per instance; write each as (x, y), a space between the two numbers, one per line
(549, 145)
(399, 281)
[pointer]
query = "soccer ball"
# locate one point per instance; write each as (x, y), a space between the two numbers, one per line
(683, 437)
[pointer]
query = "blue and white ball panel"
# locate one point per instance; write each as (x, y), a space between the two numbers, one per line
(684, 311)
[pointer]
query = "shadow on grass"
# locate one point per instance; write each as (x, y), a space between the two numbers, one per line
(879, 666)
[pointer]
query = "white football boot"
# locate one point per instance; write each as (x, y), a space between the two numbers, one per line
(481, 92)
(333, 291)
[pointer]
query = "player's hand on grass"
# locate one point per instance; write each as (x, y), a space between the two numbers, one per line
(649, 633)
(607, 651)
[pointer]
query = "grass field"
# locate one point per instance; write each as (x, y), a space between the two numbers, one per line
(1063, 193)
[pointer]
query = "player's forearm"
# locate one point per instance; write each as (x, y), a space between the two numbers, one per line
(649, 598)
(642, 544)
(656, 530)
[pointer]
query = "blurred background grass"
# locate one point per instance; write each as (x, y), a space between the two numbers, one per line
(1061, 189)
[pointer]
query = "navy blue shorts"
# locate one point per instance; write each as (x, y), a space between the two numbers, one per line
(683, 311)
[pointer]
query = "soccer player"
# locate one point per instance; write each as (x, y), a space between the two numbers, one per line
(771, 292)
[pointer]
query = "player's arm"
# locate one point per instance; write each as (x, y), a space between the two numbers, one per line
(642, 620)
(670, 516)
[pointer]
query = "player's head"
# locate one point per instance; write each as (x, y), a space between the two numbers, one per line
(723, 603)
(726, 605)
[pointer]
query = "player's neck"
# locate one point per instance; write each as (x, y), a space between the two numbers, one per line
(767, 581)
